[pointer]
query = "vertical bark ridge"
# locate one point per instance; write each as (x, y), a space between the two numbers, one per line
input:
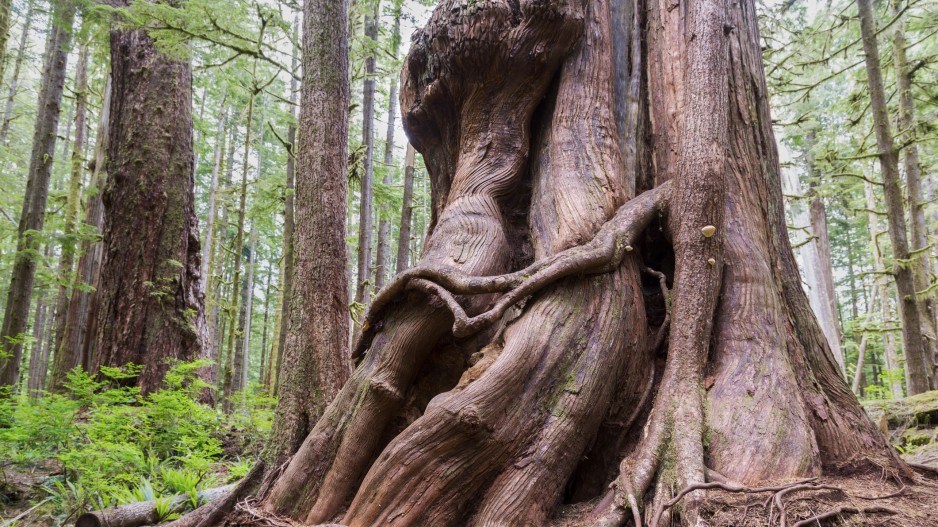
(483, 155)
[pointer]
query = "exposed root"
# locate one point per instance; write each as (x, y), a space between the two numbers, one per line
(729, 487)
(776, 505)
(815, 520)
(602, 254)
(924, 468)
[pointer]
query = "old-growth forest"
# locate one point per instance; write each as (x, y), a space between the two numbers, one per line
(527, 263)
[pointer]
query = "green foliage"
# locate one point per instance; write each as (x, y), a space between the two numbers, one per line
(115, 445)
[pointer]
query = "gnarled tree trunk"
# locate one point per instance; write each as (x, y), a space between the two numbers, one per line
(521, 360)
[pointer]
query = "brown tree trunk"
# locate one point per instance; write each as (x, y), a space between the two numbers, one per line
(76, 348)
(823, 270)
(920, 249)
(150, 302)
(15, 78)
(918, 349)
(364, 281)
(5, 16)
(314, 363)
(243, 345)
(407, 213)
(32, 216)
(512, 367)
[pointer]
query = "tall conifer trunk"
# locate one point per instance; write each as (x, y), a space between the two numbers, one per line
(32, 216)
(919, 350)
(149, 304)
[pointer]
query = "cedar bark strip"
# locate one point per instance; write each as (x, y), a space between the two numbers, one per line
(150, 302)
(513, 367)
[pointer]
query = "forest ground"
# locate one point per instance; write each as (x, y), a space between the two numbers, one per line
(911, 424)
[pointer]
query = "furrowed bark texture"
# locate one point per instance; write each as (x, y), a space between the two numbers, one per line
(314, 363)
(527, 353)
(150, 302)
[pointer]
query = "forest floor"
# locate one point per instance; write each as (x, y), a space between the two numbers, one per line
(911, 423)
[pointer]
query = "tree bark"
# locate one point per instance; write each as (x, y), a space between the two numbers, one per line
(918, 350)
(823, 272)
(263, 360)
(920, 249)
(243, 346)
(14, 80)
(366, 209)
(407, 213)
(150, 303)
(5, 15)
(315, 362)
(521, 360)
(32, 216)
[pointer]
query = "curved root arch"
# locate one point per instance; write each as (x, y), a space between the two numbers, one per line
(512, 104)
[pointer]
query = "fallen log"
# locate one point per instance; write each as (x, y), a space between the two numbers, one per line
(145, 512)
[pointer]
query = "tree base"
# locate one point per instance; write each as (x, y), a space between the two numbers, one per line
(857, 500)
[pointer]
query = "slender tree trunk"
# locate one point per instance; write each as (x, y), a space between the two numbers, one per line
(218, 159)
(890, 354)
(218, 263)
(150, 301)
(366, 210)
(383, 257)
(69, 356)
(830, 322)
(263, 360)
(315, 360)
(17, 65)
(920, 248)
(76, 347)
(407, 213)
(5, 16)
(32, 216)
(918, 350)
(36, 374)
(234, 311)
(245, 314)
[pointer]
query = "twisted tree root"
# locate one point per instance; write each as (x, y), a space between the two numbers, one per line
(815, 520)
(602, 254)
(729, 487)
